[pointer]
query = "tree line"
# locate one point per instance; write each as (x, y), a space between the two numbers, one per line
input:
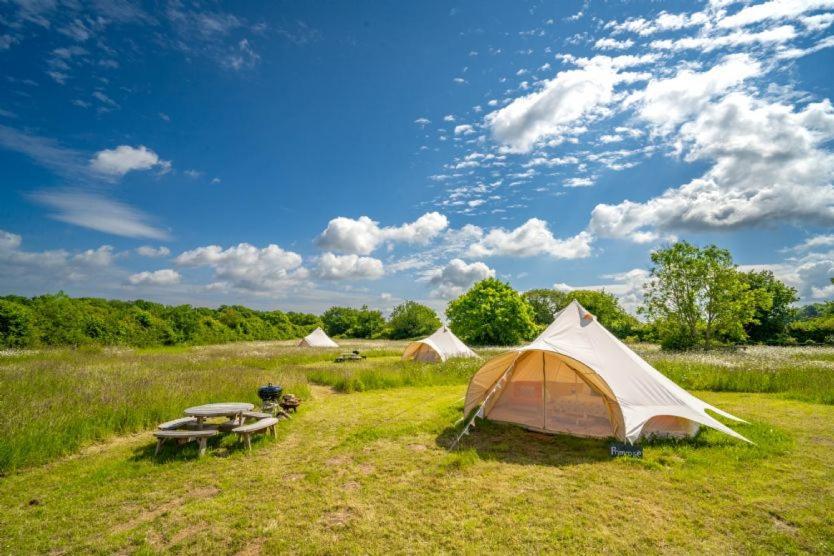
(695, 297)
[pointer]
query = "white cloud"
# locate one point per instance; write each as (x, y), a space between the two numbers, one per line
(533, 238)
(464, 129)
(124, 159)
(708, 43)
(769, 167)
(810, 274)
(21, 269)
(362, 236)
(345, 267)
(456, 277)
(422, 122)
(246, 267)
(666, 103)
(164, 277)
(814, 242)
(773, 10)
(578, 182)
(91, 210)
(608, 43)
(663, 22)
(148, 251)
(573, 97)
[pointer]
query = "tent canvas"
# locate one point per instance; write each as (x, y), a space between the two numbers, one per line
(578, 378)
(440, 346)
(317, 338)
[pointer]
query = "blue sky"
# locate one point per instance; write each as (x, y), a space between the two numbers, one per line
(301, 155)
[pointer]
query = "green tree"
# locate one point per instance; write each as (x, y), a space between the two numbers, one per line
(337, 321)
(369, 323)
(491, 312)
(770, 323)
(15, 325)
(411, 319)
(546, 303)
(697, 293)
(352, 323)
(607, 310)
(604, 305)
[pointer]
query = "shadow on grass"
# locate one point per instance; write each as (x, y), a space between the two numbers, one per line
(513, 444)
(221, 446)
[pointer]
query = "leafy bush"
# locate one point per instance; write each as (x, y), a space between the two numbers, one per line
(818, 330)
(410, 320)
(15, 324)
(59, 320)
(352, 323)
(491, 312)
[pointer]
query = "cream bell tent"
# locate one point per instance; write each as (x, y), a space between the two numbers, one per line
(317, 339)
(440, 346)
(578, 378)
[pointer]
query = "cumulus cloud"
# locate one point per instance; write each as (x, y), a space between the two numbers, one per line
(768, 166)
(666, 103)
(533, 238)
(124, 159)
(571, 98)
(246, 267)
(362, 236)
(96, 212)
(51, 268)
(456, 277)
(349, 267)
(163, 277)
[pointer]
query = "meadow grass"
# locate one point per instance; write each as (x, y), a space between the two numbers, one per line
(799, 373)
(370, 472)
(57, 400)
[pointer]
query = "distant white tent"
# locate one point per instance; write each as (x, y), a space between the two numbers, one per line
(317, 338)
(578, 378)
(440, 346)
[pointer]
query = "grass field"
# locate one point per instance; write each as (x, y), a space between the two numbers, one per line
(364, 466)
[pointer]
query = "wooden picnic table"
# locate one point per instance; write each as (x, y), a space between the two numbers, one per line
(232, 410)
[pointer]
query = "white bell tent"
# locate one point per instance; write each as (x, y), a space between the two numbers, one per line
(440, 346)
(317, 338)
(577, 378)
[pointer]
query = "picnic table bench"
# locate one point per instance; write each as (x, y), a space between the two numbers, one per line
(245, 432)
(183, 436)
(349, 356)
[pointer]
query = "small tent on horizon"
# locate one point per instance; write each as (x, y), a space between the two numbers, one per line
(438, 347)
(577, 378)
(317, 338)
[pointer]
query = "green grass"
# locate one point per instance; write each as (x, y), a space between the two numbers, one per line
(58, 400)
(392, 372)
(369, 472)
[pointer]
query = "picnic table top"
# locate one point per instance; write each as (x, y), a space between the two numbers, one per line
(218, 409)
